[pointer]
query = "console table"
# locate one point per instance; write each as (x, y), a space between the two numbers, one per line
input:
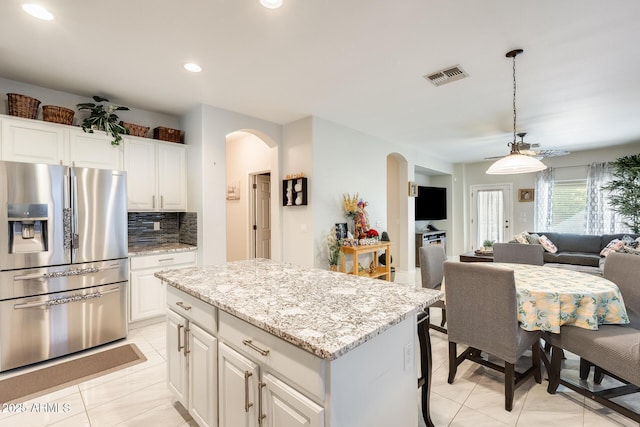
(430, 238)
(356, 251)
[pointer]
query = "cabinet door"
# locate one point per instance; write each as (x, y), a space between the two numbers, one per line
(286, 407)
(31, 141)
(238, 386)
(141, 165)
(148, 295)
(94, 150)
(202, 376)
(177, 375)
(172, 177)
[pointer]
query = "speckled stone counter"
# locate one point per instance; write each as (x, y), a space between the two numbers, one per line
(323, 312)
(160, 248)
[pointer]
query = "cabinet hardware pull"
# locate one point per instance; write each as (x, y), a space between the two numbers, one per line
(186, 341)
(165, 259)
(161, 202)
(180, 347)
(247, 404)
(181, 305)
(261, 416)
(153, 201)
(251, 345)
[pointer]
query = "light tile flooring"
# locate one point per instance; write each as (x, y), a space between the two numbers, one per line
(138, 396)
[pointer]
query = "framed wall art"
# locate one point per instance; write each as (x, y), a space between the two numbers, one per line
(526, 194)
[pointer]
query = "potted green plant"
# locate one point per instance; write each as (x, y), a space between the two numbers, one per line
(624, 190)
(101, 118)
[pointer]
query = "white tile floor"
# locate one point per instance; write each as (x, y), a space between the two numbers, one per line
(138, 396)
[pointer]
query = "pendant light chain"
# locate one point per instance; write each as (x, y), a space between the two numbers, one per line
(514, 99)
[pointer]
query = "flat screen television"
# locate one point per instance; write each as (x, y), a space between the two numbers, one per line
(431, 203)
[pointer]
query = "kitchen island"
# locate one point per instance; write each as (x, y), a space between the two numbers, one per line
(281, 345)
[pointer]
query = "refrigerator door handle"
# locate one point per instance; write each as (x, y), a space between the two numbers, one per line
(74, 208)
(64, 300)
(66, 273)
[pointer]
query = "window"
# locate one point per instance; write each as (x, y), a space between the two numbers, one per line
(568, 206)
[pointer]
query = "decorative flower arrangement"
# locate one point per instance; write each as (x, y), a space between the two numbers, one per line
(334, 244)
(350, 205)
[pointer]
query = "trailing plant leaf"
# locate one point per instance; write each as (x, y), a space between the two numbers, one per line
(103, 119)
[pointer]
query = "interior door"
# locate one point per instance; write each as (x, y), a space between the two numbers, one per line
(262, 217)
(491, 211)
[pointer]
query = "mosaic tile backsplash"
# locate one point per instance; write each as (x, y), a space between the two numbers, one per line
(175, 227)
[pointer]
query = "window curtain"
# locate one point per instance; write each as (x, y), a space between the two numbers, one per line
(490, 216)
(543, 202)
(600, 218)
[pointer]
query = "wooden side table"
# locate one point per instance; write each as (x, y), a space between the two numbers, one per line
(378, 270)
(474, 257)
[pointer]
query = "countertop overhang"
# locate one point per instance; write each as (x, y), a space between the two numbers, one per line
(324, 312)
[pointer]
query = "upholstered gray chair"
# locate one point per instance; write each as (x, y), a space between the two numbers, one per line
(623, 270)
(518, 253)
(432, 258)
(482, 314)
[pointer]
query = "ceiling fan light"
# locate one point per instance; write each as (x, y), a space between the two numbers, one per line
(514, 164)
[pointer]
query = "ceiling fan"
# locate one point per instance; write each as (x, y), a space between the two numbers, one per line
(532, 150)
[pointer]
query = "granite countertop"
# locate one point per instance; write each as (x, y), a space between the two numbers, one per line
(150, 249)
(324, 312)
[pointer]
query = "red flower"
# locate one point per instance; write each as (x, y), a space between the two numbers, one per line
(372, 233)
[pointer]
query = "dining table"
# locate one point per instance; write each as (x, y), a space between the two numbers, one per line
(549, 298)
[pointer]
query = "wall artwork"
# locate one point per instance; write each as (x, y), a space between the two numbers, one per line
(413, 189)
(525, 194)
(233, 190)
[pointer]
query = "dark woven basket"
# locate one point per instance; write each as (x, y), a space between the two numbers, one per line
(167, 134)
(136, 130)
(55, 114)
(22, 106)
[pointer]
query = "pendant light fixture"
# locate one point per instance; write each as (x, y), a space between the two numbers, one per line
(515, 162)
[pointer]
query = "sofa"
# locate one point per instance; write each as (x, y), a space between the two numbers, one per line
(581, 252)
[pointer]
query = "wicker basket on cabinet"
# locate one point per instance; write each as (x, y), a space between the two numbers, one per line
(22, 106)
(167, 134)
(136, 130)
(55, 114)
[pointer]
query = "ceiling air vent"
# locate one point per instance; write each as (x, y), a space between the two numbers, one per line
(448, 75)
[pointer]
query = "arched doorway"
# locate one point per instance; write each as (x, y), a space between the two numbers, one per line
(249, 166)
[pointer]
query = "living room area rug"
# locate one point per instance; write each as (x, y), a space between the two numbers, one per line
(56, 377)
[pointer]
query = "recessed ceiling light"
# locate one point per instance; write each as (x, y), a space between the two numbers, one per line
(37, 11)
(194, 68)
(271, 4)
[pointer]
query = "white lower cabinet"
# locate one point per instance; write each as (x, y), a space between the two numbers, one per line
(192, 359)
(252, 390)
(147, 298)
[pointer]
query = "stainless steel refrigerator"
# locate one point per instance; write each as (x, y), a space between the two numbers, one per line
(63, 260)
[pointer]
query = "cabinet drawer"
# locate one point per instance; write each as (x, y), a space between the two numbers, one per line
(298, 366)
(199, 312)
(168, 259)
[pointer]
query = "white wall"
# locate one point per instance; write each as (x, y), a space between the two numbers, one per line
(246, 155)
(69, 100)
(206, 130)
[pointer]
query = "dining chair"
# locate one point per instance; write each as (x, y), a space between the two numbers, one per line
(518, 253)
(615, 349)
(432, 258)
(482, 314)
(623, 270)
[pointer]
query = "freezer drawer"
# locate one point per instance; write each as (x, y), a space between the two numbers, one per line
(38, 328)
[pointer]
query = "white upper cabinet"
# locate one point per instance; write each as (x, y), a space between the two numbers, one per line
(35, 141)
(93, 150)
(156, 175)
(31, 141)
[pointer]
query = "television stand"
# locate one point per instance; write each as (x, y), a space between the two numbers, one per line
(430, 238)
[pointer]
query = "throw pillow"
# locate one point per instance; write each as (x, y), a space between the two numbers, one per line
(613, 246)
(533, 239)
(629, 250)
(548, 245)
(522, 237)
